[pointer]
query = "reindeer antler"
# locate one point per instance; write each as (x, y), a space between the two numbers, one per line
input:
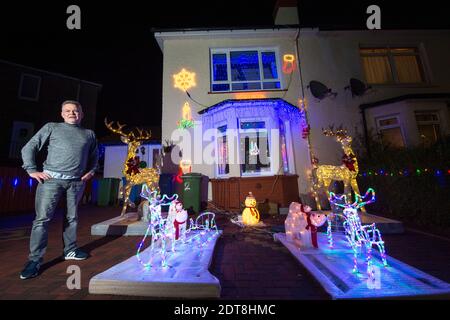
(359, 200)
(143, 134)
(331, 132)
(119, 130)
(333, 198)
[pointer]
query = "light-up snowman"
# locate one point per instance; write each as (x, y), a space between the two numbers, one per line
(250, 215)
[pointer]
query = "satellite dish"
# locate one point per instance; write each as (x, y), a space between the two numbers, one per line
(319, 90)
(357, 87)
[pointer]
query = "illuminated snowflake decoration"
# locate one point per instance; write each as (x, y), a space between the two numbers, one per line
(184, 80)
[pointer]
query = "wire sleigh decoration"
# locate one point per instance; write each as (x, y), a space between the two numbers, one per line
(169, 232)
(358, 236)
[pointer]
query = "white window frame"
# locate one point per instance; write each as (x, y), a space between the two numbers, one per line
(430, 122)
(290, 148)
(267, 128)
(392, 64)
(261, 73)
(220, 135)
(39, 78)
(392, 126)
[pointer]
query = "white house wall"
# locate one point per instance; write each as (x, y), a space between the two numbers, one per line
(115, 157)
(332, 57)
(194, 55)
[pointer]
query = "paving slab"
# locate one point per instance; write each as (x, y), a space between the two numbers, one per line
(126, 225)
(187, 274)
(332, 268)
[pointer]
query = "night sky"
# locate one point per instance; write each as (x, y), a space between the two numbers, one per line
(116, 48)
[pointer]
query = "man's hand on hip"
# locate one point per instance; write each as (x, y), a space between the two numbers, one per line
(87, 176)
(39, 176)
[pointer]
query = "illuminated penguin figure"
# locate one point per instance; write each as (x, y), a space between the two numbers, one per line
(250, 215)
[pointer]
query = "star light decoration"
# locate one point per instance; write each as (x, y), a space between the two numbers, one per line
(184, 80)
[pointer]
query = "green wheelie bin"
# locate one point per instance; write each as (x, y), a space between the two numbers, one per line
(192, 192)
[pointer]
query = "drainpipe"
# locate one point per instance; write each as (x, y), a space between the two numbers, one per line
(298, 61)
(366, 134)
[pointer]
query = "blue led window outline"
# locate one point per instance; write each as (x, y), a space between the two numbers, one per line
(220, 87)
(269, 56)
(220, 67)
(272, 85)
(244, 66)
(253, 125)
(246, 86)
(269, 65)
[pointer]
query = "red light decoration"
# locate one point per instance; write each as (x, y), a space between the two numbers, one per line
(288, 63)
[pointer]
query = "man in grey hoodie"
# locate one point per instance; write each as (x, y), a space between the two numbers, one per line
(71, 161)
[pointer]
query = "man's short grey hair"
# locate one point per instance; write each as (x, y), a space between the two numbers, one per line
(80, 108)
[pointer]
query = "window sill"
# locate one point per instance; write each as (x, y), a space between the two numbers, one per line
(224, 176)
(261, 174)
(255, 91)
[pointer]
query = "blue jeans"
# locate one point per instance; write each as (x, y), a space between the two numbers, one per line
(48, 195)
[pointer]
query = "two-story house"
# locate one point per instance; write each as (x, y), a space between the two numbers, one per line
(260, 91)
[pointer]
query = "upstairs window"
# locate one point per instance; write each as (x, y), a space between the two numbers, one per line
(29, 87)
(244, 70)
(392, 65)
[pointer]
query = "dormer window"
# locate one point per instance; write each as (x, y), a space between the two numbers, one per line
(250, 69)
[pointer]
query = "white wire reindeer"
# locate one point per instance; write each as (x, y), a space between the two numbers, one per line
(172, 229)
(158, 227)
(358, 236)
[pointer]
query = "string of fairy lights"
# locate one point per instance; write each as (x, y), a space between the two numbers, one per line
(405, 172)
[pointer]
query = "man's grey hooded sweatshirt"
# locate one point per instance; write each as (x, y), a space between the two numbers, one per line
(72, 150)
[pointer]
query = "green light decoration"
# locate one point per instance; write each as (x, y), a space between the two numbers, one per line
(185, 124)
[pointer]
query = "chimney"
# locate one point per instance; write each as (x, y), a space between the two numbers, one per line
(286, 12)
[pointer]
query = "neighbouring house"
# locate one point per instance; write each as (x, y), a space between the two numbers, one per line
(269, 91)
(113, 153)
(29, 98)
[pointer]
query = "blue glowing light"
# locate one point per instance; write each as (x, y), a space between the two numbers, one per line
(253, 125)
(15, 182)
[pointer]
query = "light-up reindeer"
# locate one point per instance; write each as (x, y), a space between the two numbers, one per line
(134, 175)
(358, 236)
(169, 231)
(347, 172)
